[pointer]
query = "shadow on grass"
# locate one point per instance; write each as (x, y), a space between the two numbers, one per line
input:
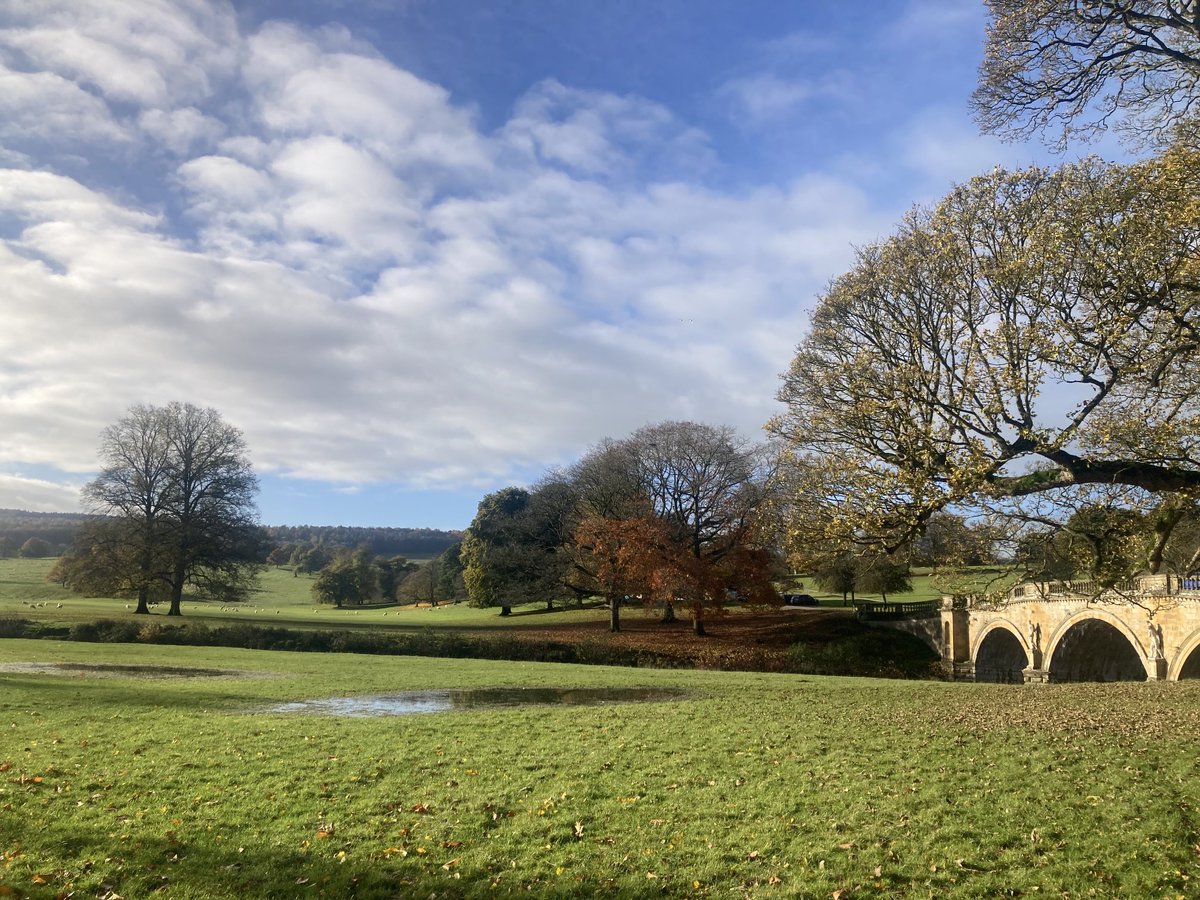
(131, 862)
(542, 610)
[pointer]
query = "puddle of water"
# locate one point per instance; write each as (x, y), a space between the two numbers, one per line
(416, 702)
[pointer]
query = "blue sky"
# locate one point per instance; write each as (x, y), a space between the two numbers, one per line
(418, 250)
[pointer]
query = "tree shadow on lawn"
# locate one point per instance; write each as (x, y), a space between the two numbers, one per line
(134, 861)
(558, 610)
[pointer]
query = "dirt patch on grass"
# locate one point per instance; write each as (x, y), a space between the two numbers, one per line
(101, 670)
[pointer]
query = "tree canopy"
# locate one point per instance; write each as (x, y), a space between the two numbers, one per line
(501, 555)
(1030, 344)
(674, 513)
(178, 492)
(671, 513)
(1083, 65)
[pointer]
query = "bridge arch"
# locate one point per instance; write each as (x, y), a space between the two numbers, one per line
(1186, 664)
(1000, 654)
(1094, 645)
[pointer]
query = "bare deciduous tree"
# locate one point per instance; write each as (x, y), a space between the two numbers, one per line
(1082, 65)
(179, 490)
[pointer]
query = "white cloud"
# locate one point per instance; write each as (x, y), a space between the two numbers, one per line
(595, 133)
(930, 21)
(371, 286)
(146, 52)
(761, 98)
(181, 130)
(49, 199)
(302, 89)
(46, 106)
(38, 495)
(940, 149)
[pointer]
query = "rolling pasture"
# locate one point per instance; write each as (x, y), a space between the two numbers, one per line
(131, 770)
(123, 779)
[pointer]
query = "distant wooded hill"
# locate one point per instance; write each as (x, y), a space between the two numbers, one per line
(410, 542)
(58, 530)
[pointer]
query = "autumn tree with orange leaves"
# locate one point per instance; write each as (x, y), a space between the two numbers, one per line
(676, 514)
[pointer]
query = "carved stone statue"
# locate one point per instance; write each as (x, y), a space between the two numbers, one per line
(1156, 641)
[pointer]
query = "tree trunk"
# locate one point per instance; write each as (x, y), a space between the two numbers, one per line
(698, 626)
(176, 593)
(549, 604)
(506, 610)
(143, 604)
(614, 613)
(669, 612)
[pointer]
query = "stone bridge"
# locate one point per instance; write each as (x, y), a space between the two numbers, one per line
(1146, 629)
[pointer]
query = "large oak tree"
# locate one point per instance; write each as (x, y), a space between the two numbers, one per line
(1030, 345)
(177, 489)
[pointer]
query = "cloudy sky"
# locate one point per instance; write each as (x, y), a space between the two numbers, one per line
(420, 249)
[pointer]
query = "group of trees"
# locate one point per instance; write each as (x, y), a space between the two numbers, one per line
(175, 500)
(31, 548)
(1026, 352)
(674, 514)
(360, 577)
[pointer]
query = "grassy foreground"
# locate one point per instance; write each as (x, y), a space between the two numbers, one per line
(755, 785)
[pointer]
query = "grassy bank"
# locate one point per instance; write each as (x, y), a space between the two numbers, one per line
(754, 785)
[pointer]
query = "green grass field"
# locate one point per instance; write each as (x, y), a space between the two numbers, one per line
(284, 599)
(755, 785)
(280, 599)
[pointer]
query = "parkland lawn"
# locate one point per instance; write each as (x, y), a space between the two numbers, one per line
(738, 638)
(117, 782)
(124, 775)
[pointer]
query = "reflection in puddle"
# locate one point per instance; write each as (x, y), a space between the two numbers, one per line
(482, 698)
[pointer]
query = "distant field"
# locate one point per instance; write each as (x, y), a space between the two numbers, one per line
(822, 640)
(281, 599)
(156, 784)
(284, 599)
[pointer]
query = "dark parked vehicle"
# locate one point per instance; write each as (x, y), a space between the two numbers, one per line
(801, 600)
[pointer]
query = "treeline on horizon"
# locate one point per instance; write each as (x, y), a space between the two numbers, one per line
(58, 531)
(381, 541)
